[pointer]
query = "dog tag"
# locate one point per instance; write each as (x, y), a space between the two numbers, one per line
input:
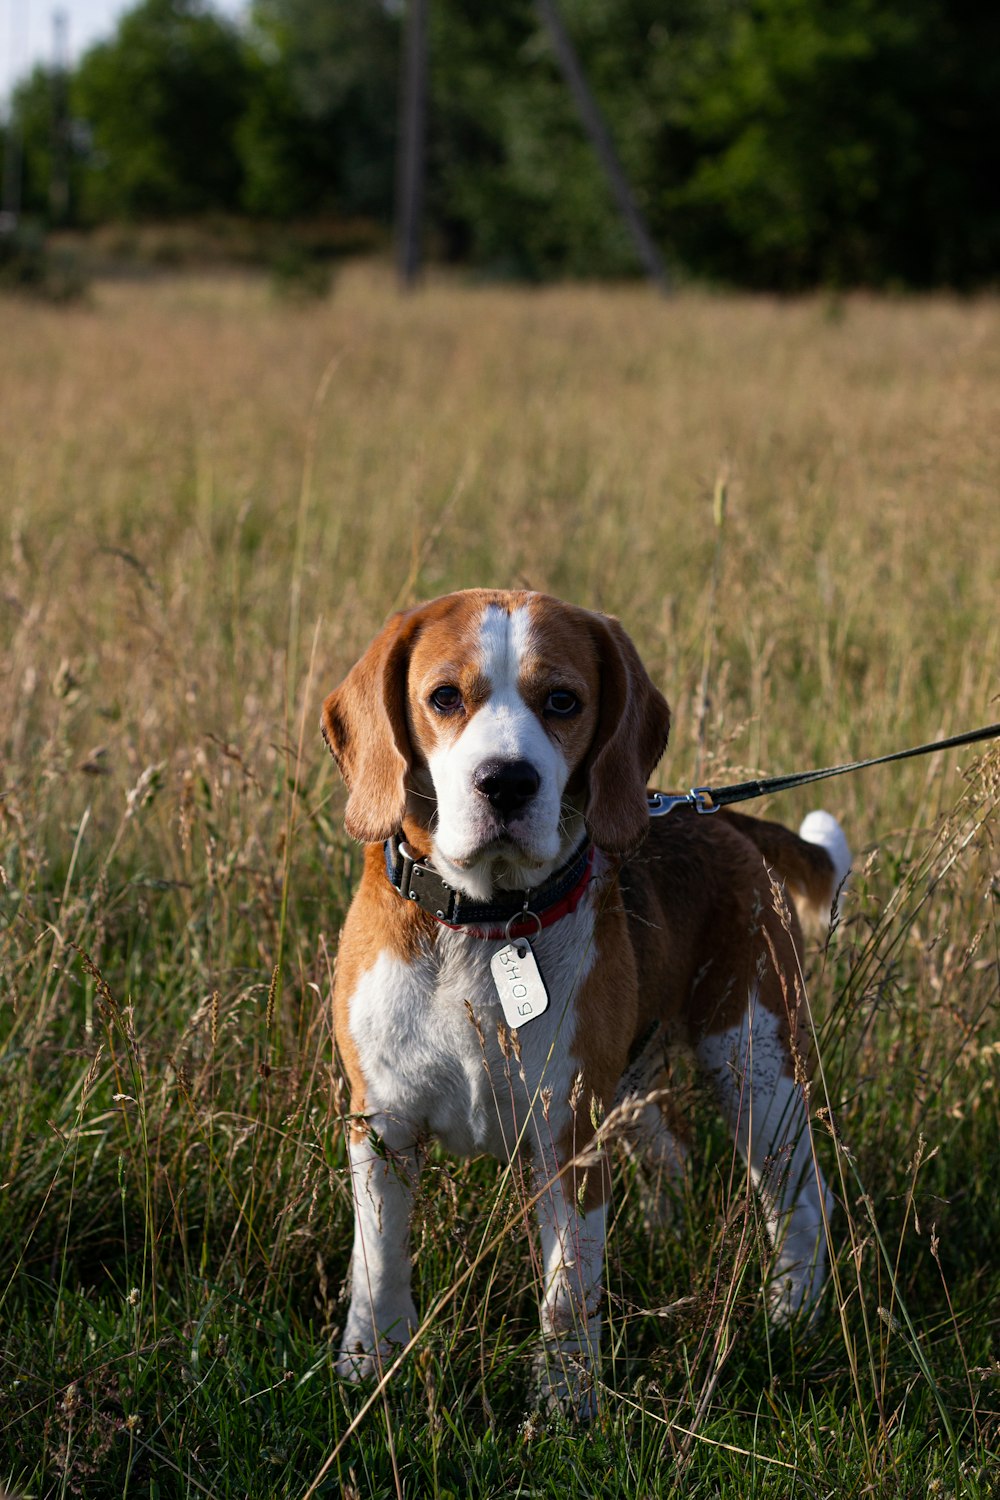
(519, 983)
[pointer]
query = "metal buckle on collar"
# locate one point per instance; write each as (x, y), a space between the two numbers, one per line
(418, 882)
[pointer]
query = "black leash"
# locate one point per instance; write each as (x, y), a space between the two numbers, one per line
(706, 799)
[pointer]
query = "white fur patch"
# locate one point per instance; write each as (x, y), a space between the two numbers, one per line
(819, 827)
(422, 1058)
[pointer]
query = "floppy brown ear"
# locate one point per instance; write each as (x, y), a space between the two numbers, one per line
(364, 724)
(631, 736)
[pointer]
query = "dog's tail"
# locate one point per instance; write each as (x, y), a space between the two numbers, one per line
(814, 863)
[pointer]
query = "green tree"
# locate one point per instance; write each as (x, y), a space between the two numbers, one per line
(163, 99)
(319, 132)
(777, 143)
(836, 141)
(514, 184)
(31, 114)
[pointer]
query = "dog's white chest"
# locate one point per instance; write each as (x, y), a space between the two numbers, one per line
(431, 1064)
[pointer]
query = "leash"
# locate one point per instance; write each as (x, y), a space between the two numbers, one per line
(706, 799)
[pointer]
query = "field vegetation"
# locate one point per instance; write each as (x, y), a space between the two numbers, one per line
(773, 144)
(209, 501)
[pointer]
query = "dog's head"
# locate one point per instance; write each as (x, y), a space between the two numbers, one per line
(500, 723)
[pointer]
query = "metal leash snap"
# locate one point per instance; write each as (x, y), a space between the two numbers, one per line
(703, 801)
(661, 803)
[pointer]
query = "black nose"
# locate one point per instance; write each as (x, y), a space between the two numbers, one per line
(508, 785)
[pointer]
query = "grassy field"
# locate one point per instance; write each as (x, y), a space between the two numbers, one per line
(209, 500)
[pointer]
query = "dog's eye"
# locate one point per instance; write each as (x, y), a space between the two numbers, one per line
(446, 699)
(561, 703)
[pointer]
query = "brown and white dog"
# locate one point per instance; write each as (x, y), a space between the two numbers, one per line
(497, 747)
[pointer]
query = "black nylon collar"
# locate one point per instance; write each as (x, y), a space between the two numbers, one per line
(416, 880)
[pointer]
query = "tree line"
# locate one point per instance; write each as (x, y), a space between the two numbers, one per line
(771, 143)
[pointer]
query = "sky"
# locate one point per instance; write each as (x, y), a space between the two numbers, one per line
(26, 31)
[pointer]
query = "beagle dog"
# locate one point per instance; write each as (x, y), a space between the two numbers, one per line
(526, 944)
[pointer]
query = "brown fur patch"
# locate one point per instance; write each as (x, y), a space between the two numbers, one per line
(806, 868)
(606, 1011)
(705, 929)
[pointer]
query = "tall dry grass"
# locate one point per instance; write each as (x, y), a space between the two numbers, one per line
(209, 502)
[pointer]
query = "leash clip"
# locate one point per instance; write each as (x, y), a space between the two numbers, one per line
(699, 797)
(661, 803)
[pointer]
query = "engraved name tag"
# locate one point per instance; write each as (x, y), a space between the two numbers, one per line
(519, 983)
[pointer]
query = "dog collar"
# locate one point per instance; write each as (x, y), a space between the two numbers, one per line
(510, 914)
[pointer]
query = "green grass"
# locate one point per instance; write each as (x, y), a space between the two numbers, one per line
(209, 501)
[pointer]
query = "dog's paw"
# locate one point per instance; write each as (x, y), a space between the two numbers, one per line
(793, 1297)
(358, 1365)
(363, 1356)
(565, 1381)
(355, 1364)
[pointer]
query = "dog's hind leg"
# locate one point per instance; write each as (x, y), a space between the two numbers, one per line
(655, 1135)
(751, 1072)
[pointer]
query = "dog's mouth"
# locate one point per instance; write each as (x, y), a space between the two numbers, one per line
(503, 861)
(502, 845)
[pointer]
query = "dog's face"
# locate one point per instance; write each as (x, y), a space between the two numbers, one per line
(500, 723)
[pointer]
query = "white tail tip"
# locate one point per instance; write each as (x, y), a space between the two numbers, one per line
(822, 828)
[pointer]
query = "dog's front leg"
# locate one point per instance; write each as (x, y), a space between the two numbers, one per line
(572, 1218)
(384, 1172)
